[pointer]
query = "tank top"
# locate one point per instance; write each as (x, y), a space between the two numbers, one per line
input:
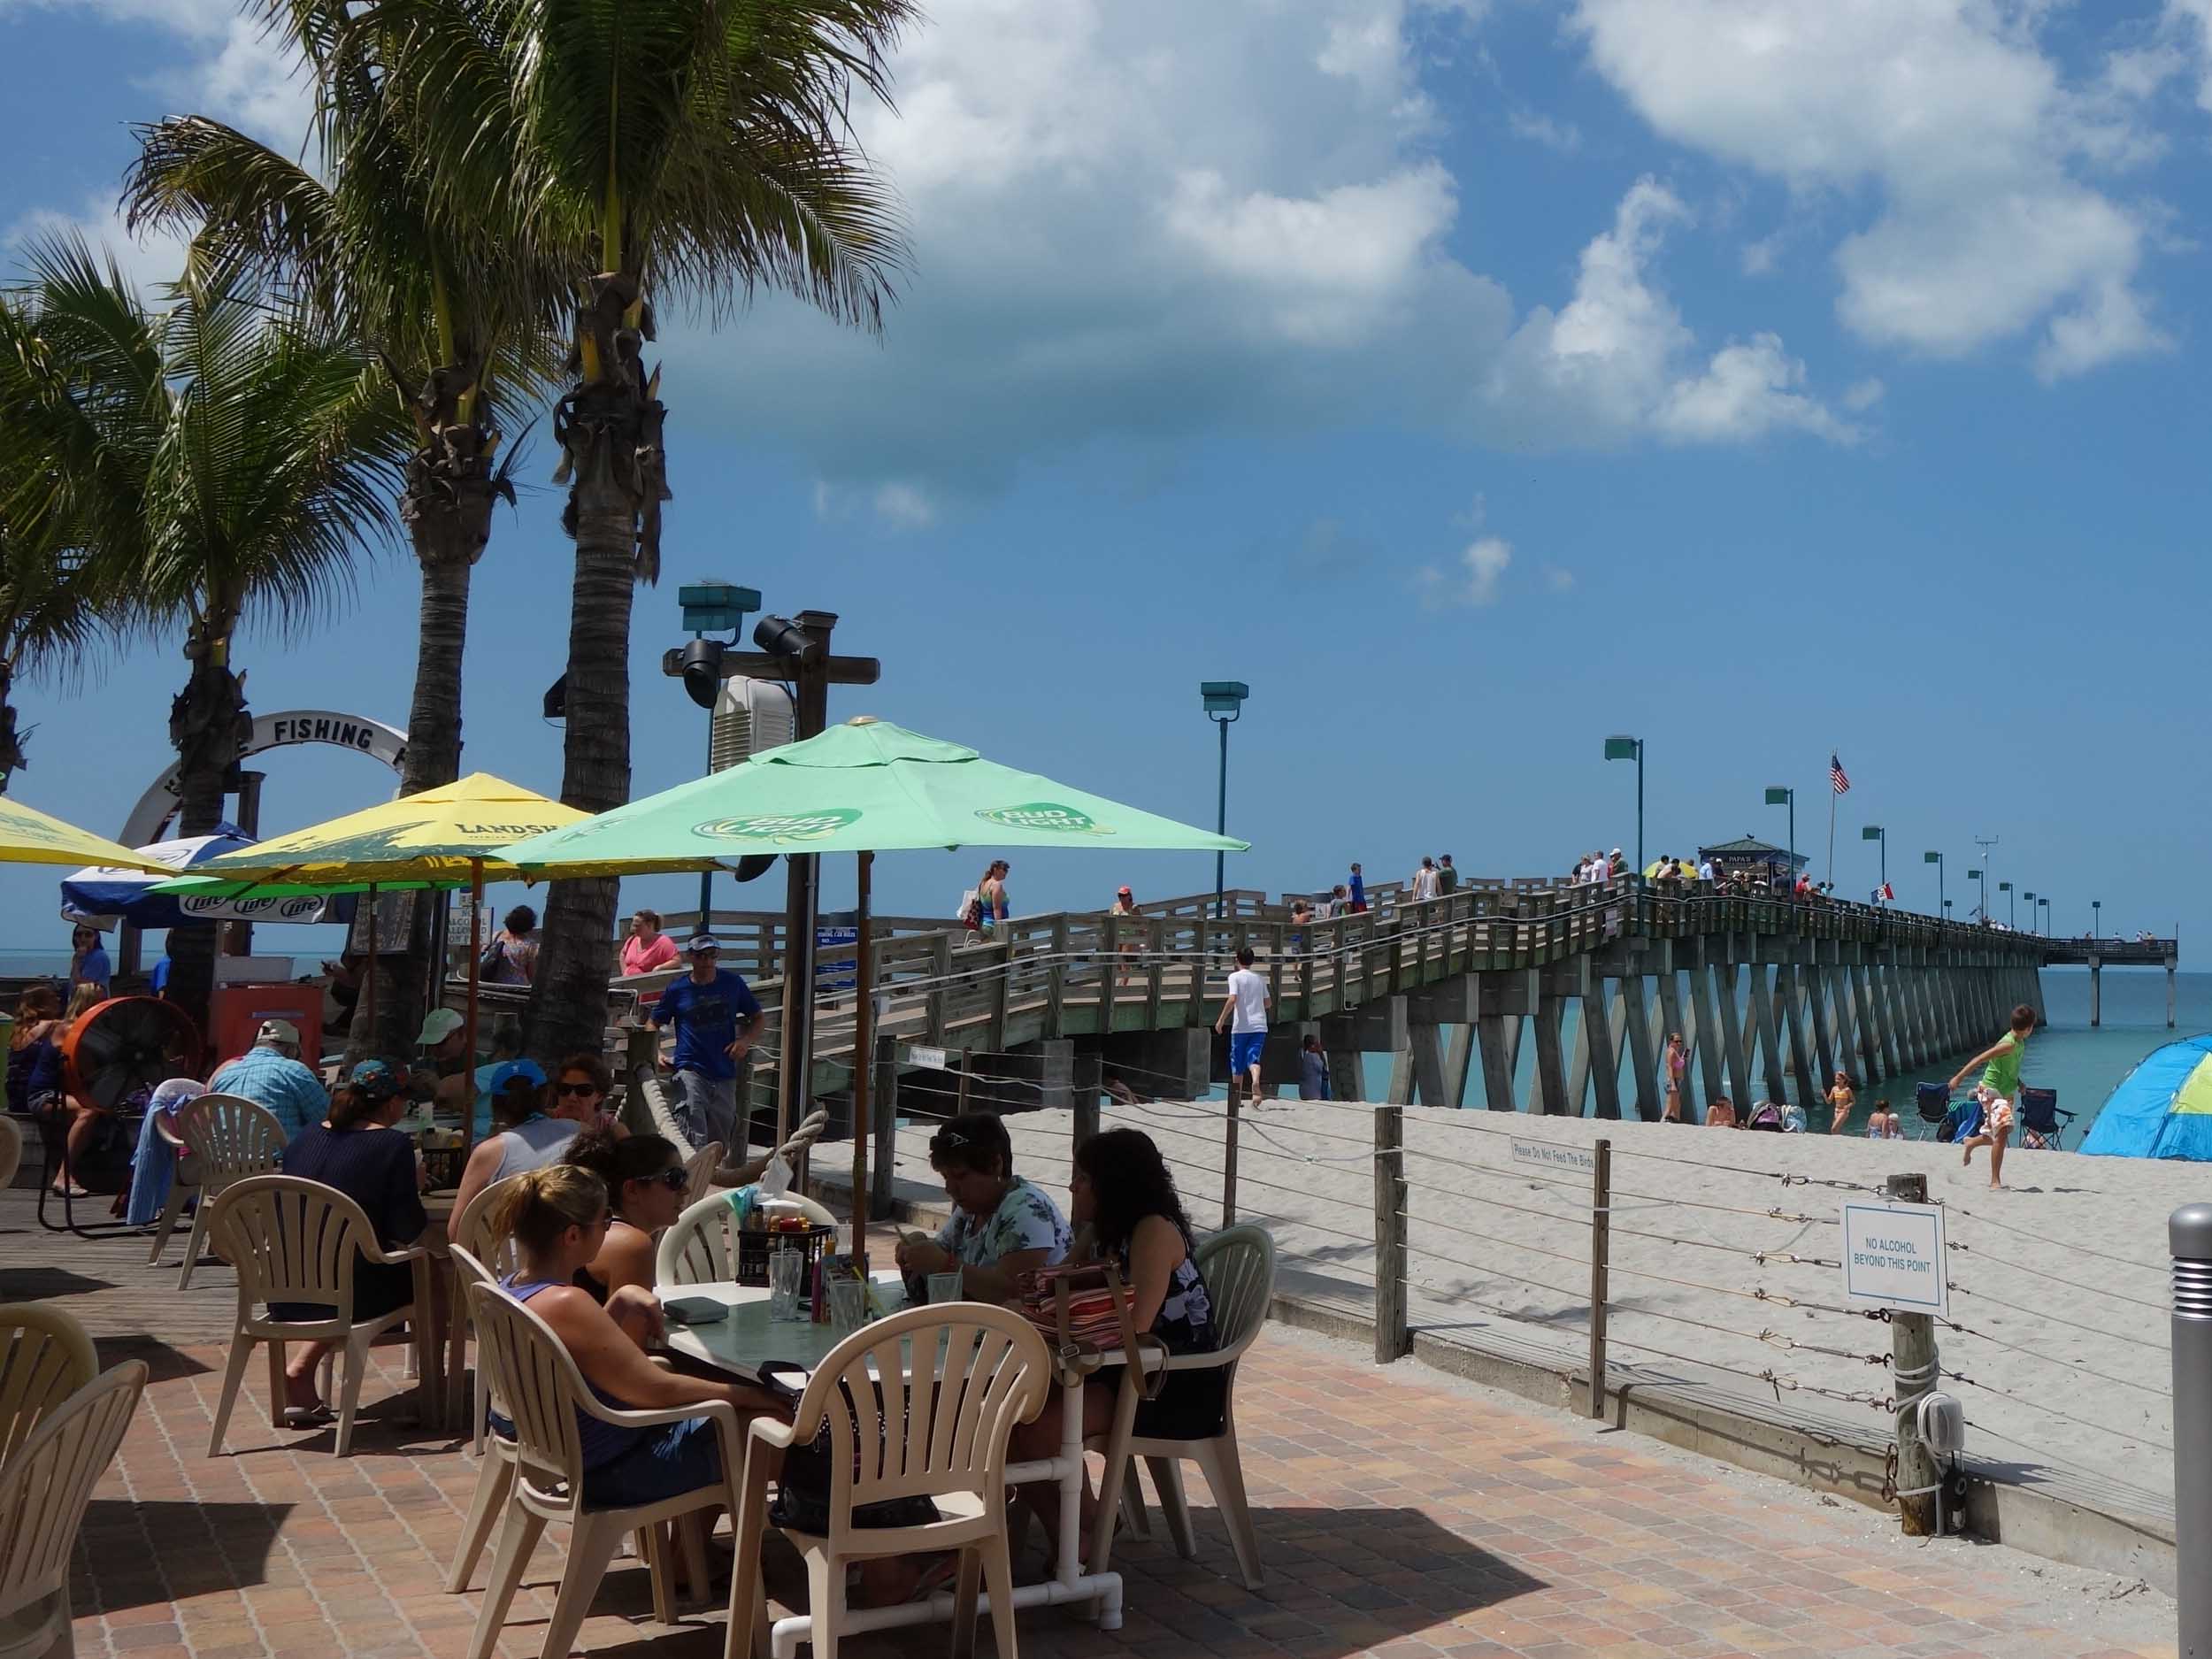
(600, 1442)
(1186, 1320)
(2002, 1073)
(532, 1144)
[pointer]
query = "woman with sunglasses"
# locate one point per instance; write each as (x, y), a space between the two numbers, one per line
(645, 1181)
(540, 1122)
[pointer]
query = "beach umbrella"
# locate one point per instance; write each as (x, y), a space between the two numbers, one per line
(865, 787)
(2163, 1108)
(101, 896)
(441, 837)
(28, 836)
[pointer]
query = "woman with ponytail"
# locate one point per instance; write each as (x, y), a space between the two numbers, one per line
(558, 1217)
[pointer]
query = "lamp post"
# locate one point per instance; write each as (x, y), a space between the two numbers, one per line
(2096, 926)
(1974, 873)
(1224, 703)
(2012, 917)
(1937, 860)
(1632, 748)
(2045, 906)
(707, 607)
(1776, 795)
(1876, 832)
(2030, 897)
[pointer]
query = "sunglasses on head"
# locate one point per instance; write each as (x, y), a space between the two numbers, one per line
(578, 1089)
(944, 1140)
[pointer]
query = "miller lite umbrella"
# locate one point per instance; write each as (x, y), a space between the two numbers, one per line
(101, 896)
(865, 787)
(440, 838)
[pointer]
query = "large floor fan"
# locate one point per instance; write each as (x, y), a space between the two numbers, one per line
(112, 1058)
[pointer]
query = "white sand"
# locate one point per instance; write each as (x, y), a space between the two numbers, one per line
(2076, 1341)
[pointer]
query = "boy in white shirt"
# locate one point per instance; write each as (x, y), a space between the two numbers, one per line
(1246, 1006)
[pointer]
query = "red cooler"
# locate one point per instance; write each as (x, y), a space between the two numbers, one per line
(237, 1011)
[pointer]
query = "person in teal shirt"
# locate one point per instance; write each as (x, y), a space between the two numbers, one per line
(1998, 1090)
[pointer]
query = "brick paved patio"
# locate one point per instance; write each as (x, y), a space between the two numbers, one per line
(1402, 1514)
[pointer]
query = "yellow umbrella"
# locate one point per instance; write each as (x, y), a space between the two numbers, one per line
(441, 837)
(28, 836)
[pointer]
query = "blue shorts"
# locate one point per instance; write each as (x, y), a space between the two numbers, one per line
(1245, 1048)
(669, 1462)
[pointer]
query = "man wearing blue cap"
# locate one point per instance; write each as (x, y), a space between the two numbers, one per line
(716, 1016)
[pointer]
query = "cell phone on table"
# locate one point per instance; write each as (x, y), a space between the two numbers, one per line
(694, 1310)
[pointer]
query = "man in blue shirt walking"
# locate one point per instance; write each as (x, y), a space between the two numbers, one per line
(716, 1016)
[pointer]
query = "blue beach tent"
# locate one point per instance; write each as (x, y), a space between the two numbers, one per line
(2163, 1109)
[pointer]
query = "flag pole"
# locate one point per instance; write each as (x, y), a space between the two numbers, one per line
(1832, 826)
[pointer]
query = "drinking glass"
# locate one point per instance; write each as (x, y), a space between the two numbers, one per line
(787, 1274)
(847, 1304)
(944, 1286)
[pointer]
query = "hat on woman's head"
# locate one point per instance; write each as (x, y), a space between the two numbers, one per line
(508, 1071)
(373, 1080)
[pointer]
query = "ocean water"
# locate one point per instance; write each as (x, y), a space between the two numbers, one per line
(2081, 1064)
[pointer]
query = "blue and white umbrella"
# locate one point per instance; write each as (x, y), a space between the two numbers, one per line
(101, 897)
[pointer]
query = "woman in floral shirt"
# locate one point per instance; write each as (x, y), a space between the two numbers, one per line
(1002, 1226)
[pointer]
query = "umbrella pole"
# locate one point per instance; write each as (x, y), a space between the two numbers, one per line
(863, 1058)
(370, 992)
(468, 1020)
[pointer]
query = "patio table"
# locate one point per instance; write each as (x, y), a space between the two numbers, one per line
(739, 1345)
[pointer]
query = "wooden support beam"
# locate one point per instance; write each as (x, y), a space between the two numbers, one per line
(1597, 1040)
(1643, 1053)
(1459, 1056)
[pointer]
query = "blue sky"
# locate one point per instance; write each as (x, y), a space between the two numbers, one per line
(1472, 379)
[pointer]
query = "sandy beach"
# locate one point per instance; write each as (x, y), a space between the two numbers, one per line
(1724, 1274)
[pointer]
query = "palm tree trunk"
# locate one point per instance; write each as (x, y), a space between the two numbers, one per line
(568, 1009)
(12, 759)
(208, 725)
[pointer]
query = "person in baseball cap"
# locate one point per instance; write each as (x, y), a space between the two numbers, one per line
(716, 1016)
(271, 1075)
(373, 1082)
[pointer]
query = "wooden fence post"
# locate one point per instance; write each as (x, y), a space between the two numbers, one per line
(1600, 1253)
(885, 1111)
(1087, 1093)
(1913, 1370)
(1392, 1339)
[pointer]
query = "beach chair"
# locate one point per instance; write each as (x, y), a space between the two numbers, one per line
(2041, 1122)
(1933, 1102)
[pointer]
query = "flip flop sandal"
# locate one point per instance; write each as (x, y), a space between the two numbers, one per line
(315, 1416)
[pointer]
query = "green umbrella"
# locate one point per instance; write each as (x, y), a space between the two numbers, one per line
(863, 786)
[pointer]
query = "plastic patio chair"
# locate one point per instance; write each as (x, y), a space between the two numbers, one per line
(699, 1170)
(495, 1256)
(45, 1357)
(701, 1248)
(295, 1241)
(10, 1151)
(1237, 1264)
(44, 1488)
(988, 1369)
(535, 1376)
(226, 1138)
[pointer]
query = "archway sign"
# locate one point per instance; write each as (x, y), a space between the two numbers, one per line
(355, 732)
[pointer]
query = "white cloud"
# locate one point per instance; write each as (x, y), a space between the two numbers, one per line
(151, 262)
(1558, 579)
(1481, 567)
(1970, 137)
(2190, 22)
(1759, 257)
(1618, 360)
(1564, 136)
(1862, 393)
(905, 506)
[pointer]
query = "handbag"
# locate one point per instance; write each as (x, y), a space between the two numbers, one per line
(802, 1491)
(1083, 1308)
(488, 965)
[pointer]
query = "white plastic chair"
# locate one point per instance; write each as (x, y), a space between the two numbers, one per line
(295, 1241)
(699, 1170)
(701, 1248)
(10, 1151)
(494, 1257)
(226, 1138)
(920, 1404)
(1237, 1264)
(536, 1377)
(44, 1488)
(45, 1357)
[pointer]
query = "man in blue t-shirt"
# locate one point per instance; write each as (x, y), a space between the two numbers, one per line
(716, 1016)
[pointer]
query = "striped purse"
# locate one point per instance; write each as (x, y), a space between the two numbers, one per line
(1083, 1308)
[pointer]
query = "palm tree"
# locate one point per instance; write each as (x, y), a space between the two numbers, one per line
(464, 325)
(232, 459)
(703, 150)
(55, 604)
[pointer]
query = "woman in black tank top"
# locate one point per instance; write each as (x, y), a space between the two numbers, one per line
(645, 1179)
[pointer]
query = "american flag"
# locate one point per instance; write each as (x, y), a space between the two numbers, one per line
(1837, 778)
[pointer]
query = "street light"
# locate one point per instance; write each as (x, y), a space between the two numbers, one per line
(1973, 873)
(2030, 897)
(1224, 703)
(1876, 832)
(1937, 860)
(1632, 748)
(1776, 795)
(2044, 905)
(708, 607)
(2095, 925)
(2012, 917)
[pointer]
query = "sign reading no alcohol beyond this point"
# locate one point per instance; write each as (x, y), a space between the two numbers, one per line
(1893, 1257)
